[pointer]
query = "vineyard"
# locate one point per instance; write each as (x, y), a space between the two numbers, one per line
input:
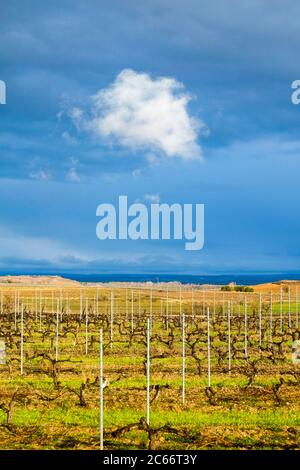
(149, 367)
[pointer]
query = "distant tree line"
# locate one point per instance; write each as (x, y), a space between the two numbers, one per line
(237, 288)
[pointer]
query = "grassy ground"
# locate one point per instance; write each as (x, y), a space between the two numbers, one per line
(55, 404)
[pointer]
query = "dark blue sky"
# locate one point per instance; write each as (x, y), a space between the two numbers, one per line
(236, 60)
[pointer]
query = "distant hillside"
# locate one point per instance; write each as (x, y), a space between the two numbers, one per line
(37, 280)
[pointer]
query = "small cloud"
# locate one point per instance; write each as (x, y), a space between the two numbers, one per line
(153, 198)
(40, 175)
(152, 159)
(74, 161)
(72, 175)
(139, 112)
(68, 138)
(76, 115)
(137, 172)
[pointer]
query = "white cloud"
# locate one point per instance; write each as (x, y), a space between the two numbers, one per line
(153, 198)
(69, 139)
(72, 175)
(137, 172)
(143, 113)
(76, 115)
(40, 175)
(152, 159)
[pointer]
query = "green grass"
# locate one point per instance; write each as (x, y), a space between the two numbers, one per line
(76, 416)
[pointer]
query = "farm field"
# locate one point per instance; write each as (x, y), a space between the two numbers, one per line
(184, 367)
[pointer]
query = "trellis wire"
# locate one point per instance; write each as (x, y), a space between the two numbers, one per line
(15, 316)
(296, 300)
(97, 302)
(111, 317)
(167, 310)
(22, 340)
(80, 305)
(36, 305)
(271, 315)
(260, 319)
(139, 307)
(180, 305)
(132, 313)
(208, 348)
(223, 304)
(46, 301)
(229, 339)
(193, 307)
(289, 307)
(148, 374)
(101, 388)
(52, 301)
(151, 307)
(86, 324)
(40, 311)
(61, 305)
(245, 328)
(280, 310)
(183, 358)
(57, 327)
